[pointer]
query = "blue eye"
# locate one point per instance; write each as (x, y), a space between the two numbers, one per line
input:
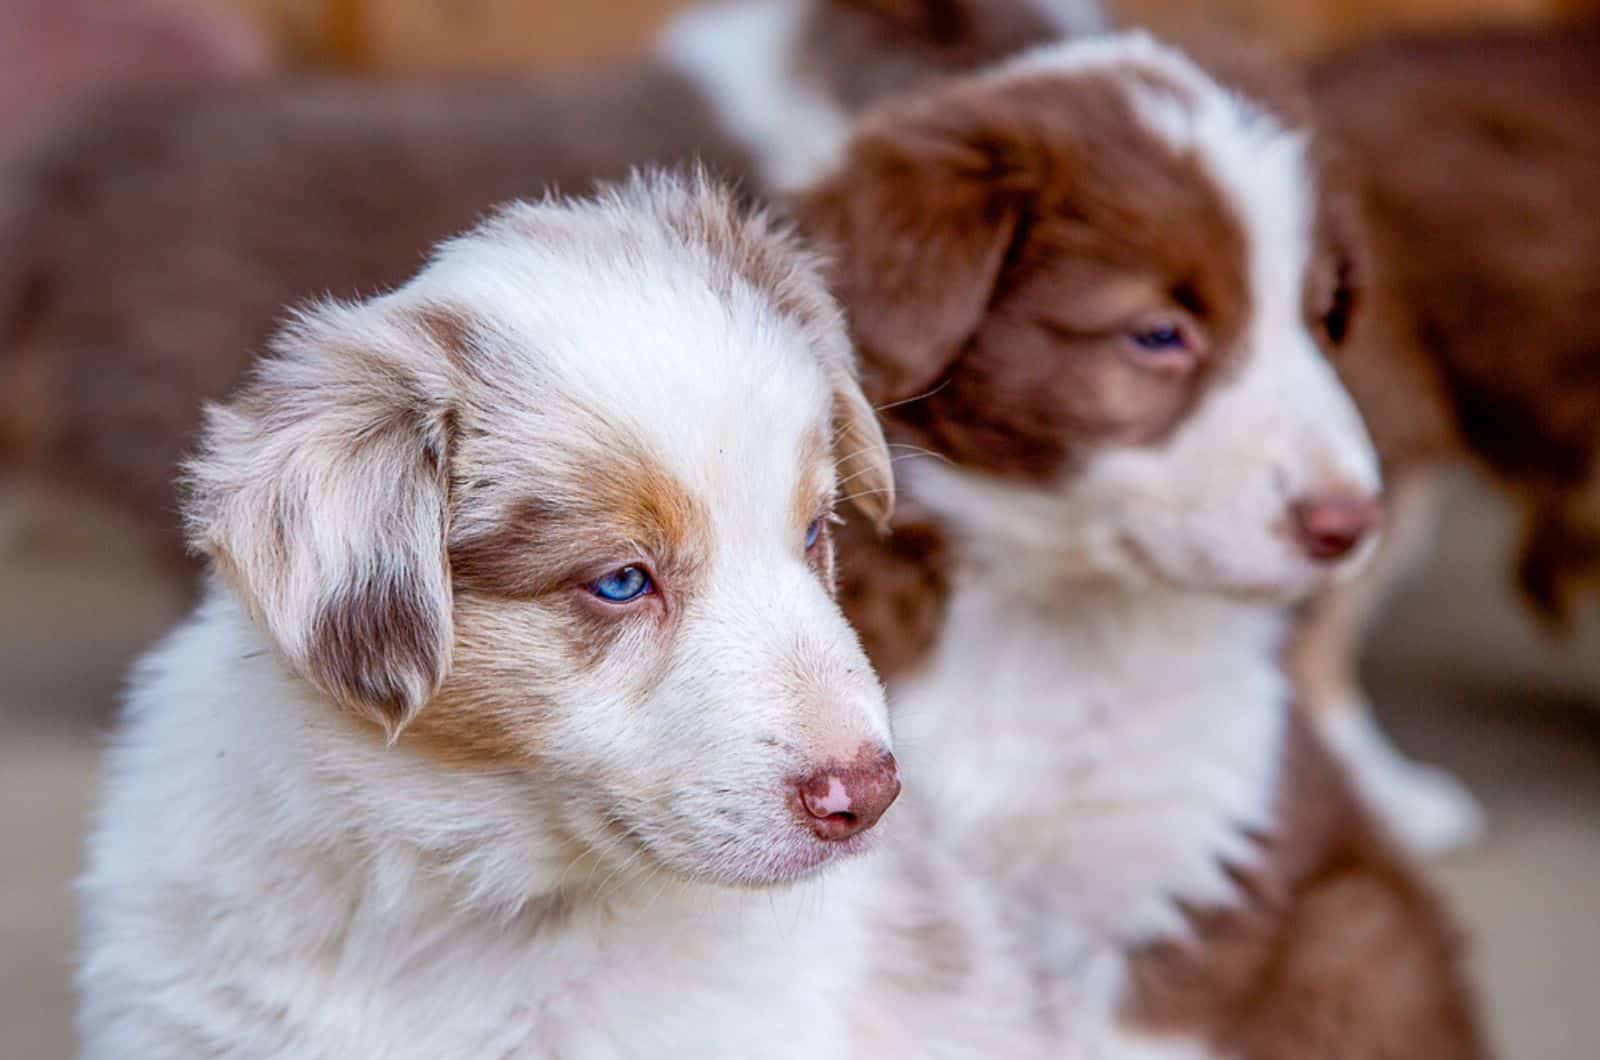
(1161, 339)
(623, 585)
(813, 532)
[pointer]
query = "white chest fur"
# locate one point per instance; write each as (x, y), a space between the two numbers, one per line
(1104, 754)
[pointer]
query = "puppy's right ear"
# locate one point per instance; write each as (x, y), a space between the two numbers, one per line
(917, 219)
(319, 493)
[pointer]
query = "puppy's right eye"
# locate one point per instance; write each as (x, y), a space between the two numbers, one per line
(623, 585)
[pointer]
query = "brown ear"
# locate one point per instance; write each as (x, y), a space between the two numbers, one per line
(918, 222)
(320, 494)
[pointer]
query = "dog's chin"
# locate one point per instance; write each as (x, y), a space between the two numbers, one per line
(773, 862)
(1274, 578)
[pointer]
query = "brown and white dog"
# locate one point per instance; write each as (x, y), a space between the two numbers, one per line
(147, 252)
(1477, 160)
(1097, 292)
(520, 719)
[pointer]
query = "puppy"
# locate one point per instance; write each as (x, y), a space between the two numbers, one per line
(1485, 246)
(520, 672)
(150, 248)
(1127, 454)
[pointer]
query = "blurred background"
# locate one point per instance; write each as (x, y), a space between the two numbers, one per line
(1462, 675)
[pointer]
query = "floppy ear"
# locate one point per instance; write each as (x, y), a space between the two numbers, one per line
(860, 450)
(320, 495)
(918, 222)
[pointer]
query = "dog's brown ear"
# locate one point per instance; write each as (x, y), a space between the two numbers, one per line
(918, 220)
(320, 495)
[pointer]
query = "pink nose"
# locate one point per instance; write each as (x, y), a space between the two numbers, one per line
(1331, 526)
(843, 800)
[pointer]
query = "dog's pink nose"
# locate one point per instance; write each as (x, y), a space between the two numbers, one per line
(844, 800)
(1331, 526)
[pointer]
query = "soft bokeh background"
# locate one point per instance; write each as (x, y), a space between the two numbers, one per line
(1463, 677)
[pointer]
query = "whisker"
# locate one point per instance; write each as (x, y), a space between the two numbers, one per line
(916, 397)
(863, 493)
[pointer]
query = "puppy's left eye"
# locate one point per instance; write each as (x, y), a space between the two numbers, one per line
(623, 585)
(813, 534)
(1161, 337)
(1164, 342)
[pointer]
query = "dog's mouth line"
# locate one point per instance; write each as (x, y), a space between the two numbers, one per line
(1213, 583)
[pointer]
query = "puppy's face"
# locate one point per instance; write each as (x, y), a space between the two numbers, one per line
(1124, 348)
(590, 543)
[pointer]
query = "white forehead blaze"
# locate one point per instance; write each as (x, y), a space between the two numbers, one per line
(1263, 171)
(701, 370)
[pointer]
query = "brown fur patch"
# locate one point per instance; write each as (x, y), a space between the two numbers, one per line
(626, 502)
(368, 644)
(1059, 222)
(1336, 949)
(1486, 259)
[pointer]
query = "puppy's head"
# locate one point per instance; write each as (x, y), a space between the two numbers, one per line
(1107, 290)
(558, 511)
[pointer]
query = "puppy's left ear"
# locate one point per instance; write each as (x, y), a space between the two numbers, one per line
(918, 220)
(319, 493)
(860, 451)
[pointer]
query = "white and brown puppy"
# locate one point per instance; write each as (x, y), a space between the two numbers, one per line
(147, 250)
(1100, 288)
(520, 670)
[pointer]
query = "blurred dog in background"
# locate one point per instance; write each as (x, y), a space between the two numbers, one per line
(1476, 161)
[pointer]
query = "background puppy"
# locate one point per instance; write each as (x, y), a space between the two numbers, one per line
(1476, 342)
(516, 672)
(1138, 455)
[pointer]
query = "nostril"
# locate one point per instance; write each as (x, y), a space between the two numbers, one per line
(1329, 528)
(845, 800)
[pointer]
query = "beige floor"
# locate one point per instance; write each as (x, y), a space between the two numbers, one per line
(1463, 678)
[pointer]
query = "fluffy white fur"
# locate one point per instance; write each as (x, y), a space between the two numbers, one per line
(1105, 706)
(742, 55)
(271, 874)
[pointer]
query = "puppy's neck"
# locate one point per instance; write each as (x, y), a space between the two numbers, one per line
(1111, 750)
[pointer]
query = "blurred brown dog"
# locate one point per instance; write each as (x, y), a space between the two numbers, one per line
(1476, 157)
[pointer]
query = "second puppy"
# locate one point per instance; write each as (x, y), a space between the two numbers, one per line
(1100, 289)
